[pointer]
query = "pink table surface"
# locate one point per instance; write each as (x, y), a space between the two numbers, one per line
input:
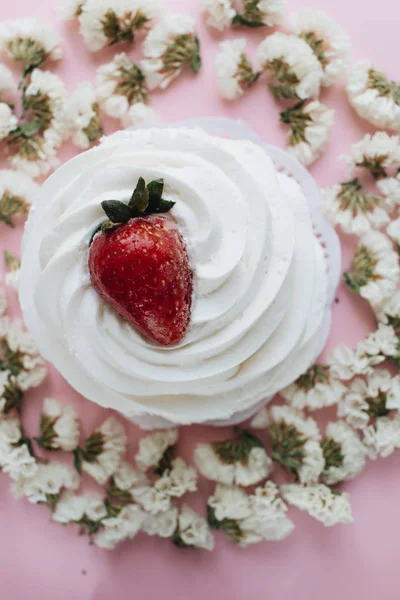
(41, 560)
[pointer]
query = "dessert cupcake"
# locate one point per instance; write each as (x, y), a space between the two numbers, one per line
(174, 276)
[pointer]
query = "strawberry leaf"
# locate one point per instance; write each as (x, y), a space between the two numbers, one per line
(164, 206)
(117, 211)
(140, 198)
(155, 189)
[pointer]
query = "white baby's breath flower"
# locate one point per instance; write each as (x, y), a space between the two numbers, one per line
(388, 312)
(376, 347)
(390, 188)
(66, 10)
(18, 462)
(153, 447)
(344, 453)
(374, 96)
(381, 439)
(153, 501)
(127, 477)
(193, 530)
(292, 65)
(171, 43)
(229, 502)
(72, 508)
(321, 503)
(268, 520)
(163, 524)
(329, 42)
(123, 527)
(256, 13)
(309, 127)
(104, 22)
(37, 155)
(342, 362)
(375, 268)
(103, 450)
(242, 461)
(7, 83)
(219, 13)
(366, 399)
(178, 480)
(235, 73)
(29, 41)
(351, 208)
(47, 483)
(82, 115)
(46, 94)
(315, 389)
(376, 153)
(8, 121)
(17, 192)
(296, 443)
(121, 91)
(59, 426)
(10, 432)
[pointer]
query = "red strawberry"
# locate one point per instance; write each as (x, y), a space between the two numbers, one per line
(141, 269)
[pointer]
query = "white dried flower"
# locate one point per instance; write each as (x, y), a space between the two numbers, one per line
(343, 452)
(261, 419)
(37, 155)
(29, 41)
(330, 508)
(72, 508)
(7, 83)
(235, 73)
(153, 501)
(375, 268)
(171, 43)
(329, 42)
(375, 348)
(162, 524)
(376, 153)
(229, 502)
(17, 192)
(104, 22)
(388, 312)
(59, 426)
(47, 483)
(121, 91)
(178, 480)
(393, 230)
(153, 447)
(127, 477)
(381, 439)
(306, 427)
(8, 121)
(309, 127)
(366, 399)
(256, 13)
(193, 530)
(3, 301)
(18, 462)
(219, 13)
(292, 65)
(12, 280)
(374, 96)
(46, 94)
(268, 520)
(82, 115)
(342, 362)
(316, 388)
(390, 188)
(123, 527)
(103, 450)
(351, 208)
(10, 433)
(240, 462)
(66, 10)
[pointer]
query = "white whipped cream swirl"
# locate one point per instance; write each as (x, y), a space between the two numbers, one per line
(260, 282)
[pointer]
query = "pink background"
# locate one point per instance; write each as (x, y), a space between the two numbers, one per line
(44, 561)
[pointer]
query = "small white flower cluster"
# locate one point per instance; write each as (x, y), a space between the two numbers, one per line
(240, 462)
(249, 519)
(103, 450)
(374, 96)
(59, 426)
(170, 44)
(17, 192)
(375, 271)
(121, 91)
(296, 440)
(82, 116)
(317, 388)
(376, 153)
(235, 73)
(104, 22)
(320, 502)
(29, 41)
(15, 457)
(7, 83)
(8, 120)
(46, 484)
(344, 453)
(252, 13)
